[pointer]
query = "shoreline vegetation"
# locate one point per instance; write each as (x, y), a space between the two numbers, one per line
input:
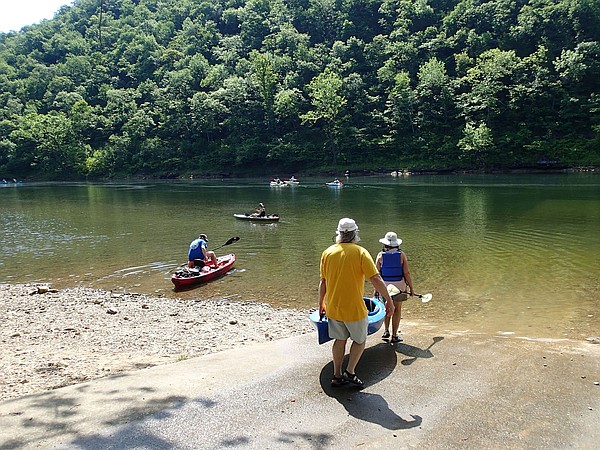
(245, 87)
(52, 338)
(380, 171)
(324, 173)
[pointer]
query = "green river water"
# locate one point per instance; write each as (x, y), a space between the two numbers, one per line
(502, 254)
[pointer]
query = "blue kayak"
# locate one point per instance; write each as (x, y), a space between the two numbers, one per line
(376, 310)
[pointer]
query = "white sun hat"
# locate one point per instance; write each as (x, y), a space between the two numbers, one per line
(345, 225)
(391, 239)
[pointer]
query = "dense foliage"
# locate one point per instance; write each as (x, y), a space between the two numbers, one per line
(118, 87)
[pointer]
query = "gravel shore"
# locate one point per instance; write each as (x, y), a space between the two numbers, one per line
(52, 338)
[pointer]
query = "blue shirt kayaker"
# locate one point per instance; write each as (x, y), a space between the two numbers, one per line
(199, 255)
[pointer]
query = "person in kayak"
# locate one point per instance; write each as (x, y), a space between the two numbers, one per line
(199, 255)
(343, 269)
(392, 264)
(260, 211)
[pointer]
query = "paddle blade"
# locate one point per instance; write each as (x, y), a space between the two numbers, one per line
(392, 290)
(231, 240)
(426, 297)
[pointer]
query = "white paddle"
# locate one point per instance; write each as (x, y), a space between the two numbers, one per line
(393, 290)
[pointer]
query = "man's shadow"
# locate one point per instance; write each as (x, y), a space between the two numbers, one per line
(416, 352)
(376, 364)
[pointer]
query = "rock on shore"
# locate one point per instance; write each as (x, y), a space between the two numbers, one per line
(51, 338)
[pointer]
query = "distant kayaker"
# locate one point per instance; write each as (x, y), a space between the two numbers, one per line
(393, 266)
(199, 255)
(260, 211)
(344, 267)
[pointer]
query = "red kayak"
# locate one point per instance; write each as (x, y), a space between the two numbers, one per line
(188, 277)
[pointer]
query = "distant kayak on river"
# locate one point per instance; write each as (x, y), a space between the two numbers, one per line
(252, 218)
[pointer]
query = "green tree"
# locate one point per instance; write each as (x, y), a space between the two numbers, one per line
(435, 109)
(400, 107)
(487, 85)
(476, 142)
(49, 144)
(265, 78)
(328, 104)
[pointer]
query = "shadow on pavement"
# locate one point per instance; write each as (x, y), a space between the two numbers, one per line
(55, 415)
(376, 364)
(316, 441)
(415, 352)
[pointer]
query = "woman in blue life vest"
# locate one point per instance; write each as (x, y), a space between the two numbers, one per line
(393, 267)
(199, 255)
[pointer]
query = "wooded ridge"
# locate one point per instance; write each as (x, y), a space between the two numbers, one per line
(112, 88)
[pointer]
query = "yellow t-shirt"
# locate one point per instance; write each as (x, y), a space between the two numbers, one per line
(344, 268)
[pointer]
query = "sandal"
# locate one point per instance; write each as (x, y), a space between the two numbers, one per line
(396, 338)
(352, 378)
(385, 335)
(338, 381)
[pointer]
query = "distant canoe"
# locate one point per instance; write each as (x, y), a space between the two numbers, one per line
(335, 184)
(269, 218)
(10, 183)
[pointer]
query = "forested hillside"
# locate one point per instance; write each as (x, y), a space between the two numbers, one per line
(121, 87)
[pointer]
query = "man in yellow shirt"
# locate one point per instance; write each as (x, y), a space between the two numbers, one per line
(344, 267)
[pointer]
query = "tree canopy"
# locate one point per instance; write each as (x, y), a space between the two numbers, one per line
(113, 88)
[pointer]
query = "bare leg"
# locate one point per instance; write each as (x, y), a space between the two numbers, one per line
(356, 351)
(338, 350)
(396, 317)
(386, 321)
(212, 257)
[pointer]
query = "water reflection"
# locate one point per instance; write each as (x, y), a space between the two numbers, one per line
(501, 254)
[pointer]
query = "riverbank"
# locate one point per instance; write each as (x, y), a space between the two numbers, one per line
(53, 338)
(352, 172)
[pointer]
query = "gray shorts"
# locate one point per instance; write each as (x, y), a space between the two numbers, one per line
(357, 331)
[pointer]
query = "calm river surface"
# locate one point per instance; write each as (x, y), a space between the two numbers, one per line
(500, 253)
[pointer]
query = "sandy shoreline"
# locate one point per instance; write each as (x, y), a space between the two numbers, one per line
(63, 337)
